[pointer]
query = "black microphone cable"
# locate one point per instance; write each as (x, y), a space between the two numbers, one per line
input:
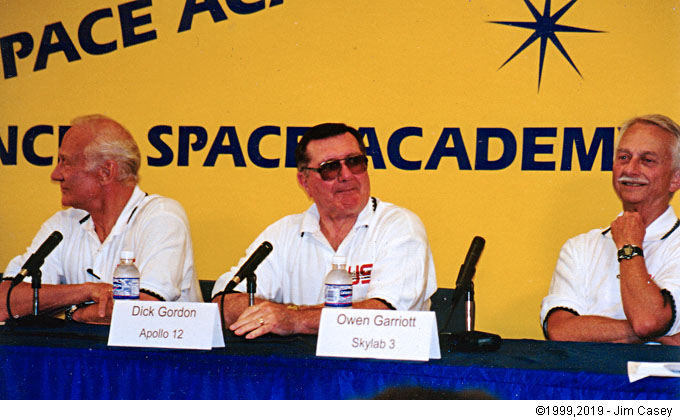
(9, 294)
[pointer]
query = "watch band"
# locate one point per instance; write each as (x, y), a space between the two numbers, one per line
(68, 314)
(629, 251)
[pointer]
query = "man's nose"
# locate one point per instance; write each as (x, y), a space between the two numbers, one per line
(56, 173)
(345, 173)
(633, 166)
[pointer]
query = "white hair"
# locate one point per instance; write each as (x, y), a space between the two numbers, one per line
(662, 122)
(110, 141)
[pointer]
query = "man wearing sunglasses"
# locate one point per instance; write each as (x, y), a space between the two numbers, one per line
(386, 246)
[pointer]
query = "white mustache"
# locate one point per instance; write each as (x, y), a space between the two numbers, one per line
(624, 178)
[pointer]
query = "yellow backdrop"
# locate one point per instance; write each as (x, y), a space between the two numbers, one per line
(427, 72)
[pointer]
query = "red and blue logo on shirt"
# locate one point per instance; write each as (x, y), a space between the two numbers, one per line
(360, 273)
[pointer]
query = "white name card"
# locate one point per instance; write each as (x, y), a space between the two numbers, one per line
(178, 325)
(378, 334)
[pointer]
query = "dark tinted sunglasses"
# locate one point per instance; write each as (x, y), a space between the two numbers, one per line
(330, 169)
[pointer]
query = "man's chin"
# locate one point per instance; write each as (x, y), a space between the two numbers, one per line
(631, 200)
(631, 193)
(354, 204)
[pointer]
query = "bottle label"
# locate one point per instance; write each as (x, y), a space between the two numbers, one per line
(339, 295)
(126, 287)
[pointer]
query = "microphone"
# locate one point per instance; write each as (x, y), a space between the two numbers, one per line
(469, 339)
(36, 260)
(467, 270)
(248, 268)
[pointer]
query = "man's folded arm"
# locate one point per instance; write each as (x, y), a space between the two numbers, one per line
(563, 325)
(51, 296)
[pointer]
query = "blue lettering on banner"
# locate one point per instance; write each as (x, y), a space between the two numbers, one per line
(394, 147)
(458, 150)
(573, 136)
(135, 20)
(372, 147)
(175, 146)
(8, 150)
(482, 161)
(254, 146)
(233, 148)
(531, 149)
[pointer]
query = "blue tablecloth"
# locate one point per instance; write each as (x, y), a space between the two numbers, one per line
(74, 362)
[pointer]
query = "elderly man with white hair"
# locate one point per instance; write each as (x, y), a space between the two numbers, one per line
(97, 171)
(623, 284)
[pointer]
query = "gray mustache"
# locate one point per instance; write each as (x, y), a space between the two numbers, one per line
(624, 178)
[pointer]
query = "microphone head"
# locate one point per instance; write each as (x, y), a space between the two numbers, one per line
(253, 261)
(36, 260)
(54, 238)
(467, 270)
(50, 243)
(476, 248)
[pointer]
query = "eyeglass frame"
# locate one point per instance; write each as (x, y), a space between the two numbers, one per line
(361, 162)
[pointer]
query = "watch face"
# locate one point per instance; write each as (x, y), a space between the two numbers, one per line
(629, 251)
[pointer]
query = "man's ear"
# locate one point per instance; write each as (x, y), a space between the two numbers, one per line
(108, 172)
(302, 180)
(675, 181)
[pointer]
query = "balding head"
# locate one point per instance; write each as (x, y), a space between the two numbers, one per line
(110, 141)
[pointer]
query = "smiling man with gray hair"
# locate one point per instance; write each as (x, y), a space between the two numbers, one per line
(623, 284)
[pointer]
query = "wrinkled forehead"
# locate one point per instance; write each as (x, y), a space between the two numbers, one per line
(646, 138)
(330, 148)
(75, 141)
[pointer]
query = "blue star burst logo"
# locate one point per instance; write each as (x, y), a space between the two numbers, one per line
(545, 27)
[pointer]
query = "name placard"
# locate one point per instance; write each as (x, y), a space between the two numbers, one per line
(378, 334)
(179, 325)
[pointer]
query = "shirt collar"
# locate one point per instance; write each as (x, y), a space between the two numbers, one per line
(125, 216)
(660, 227)
(310, 220)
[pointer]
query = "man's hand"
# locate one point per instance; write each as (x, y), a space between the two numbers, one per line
(628, 229)
(99, 312)
(671, 340)
(269, 317)
(645, 307)
(265, 317)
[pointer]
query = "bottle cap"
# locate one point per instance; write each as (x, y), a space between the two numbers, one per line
(127, 255)
(339, 259)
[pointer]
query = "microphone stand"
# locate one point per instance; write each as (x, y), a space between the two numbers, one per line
(251, 288)
(468, 340)
(470, 308)
(35, 319)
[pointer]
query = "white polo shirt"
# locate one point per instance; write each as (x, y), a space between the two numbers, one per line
(387, 251)
(585, 278)
(155, 228)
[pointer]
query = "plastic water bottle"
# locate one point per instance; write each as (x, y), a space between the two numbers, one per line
(126, 277)
(338, 285)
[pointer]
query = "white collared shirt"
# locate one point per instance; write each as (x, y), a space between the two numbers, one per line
(586, 276)
(155, 228)
(387, 251)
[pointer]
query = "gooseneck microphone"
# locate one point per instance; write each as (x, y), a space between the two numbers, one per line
(32, 268)
(248, 268)
(467, 270)
(464, 282)
(468, 339)
(36, 260)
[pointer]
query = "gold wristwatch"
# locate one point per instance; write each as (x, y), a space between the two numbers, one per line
(629, 251)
